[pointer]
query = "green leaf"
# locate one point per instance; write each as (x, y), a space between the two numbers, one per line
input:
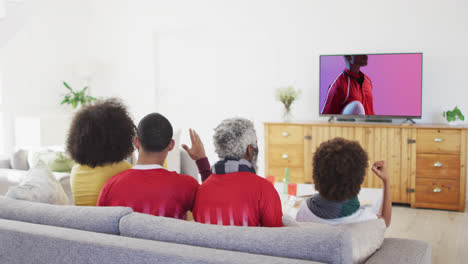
(67, 86)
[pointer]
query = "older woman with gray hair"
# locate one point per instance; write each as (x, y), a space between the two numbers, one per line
(234, 194)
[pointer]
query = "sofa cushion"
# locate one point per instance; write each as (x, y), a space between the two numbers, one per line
(5, 161)
(315, 242)
(96, 219)
(19, 160)
(39, 185)
(31, 243)
(10, 177)
(57, 161)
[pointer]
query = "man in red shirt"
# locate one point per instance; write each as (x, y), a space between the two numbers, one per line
(234, 194)
(148, 187)
(351, 92)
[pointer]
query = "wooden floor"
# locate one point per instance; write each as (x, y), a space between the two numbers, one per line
(446, 231)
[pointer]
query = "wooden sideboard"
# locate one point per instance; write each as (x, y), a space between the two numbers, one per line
(426, 163)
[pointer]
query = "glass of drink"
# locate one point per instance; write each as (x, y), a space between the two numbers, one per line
(271, 179)
(292, 189)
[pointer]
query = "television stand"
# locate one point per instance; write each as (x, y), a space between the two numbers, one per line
(410, 120)
(377, 120)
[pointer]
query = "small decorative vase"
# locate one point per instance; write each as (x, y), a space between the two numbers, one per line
(287, 115)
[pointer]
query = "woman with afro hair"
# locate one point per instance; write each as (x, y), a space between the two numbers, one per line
(99, 140)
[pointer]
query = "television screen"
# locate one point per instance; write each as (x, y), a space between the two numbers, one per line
(378, 85)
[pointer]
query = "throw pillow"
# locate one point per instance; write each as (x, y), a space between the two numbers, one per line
(39, 185)
(19, 160)
(61, 163)
(40, 156)
(57, 161)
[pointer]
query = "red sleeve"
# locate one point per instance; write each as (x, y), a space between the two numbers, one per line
(371, 108)
(191, 194)
(102, 196)
(335, 97)
(204, 168)
(270, 207)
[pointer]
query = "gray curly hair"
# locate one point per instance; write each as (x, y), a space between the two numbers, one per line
(233, 136)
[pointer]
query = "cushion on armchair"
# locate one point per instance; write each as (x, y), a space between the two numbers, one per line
(56, 161)
(19, 160)
(39, 185)
(5, 162)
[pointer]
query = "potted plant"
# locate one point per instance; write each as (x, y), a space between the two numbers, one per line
(75, 98)
(454, 116)
(287, 96)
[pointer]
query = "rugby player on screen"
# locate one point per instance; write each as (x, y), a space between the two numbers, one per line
(351, 92)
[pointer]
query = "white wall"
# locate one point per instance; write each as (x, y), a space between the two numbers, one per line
(207, 60)
(122, 44)
(198, 62)
(47, 50)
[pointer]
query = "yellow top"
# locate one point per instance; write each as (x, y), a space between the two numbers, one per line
(87, 182)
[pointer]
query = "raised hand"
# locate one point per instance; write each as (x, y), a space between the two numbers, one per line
(197, 151)
(380, 169)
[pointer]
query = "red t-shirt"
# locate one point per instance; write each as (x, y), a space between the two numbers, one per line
(154, 191)
(345, 89)
(240, 199)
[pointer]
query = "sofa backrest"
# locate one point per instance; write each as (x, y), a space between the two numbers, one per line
(31, 243)
(318, 242)
(96, 219)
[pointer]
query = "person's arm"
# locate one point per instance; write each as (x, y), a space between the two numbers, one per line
(203, 168)
(270, 207)
(335, 97)
(197, 153)
(102, 197)
(380, 169)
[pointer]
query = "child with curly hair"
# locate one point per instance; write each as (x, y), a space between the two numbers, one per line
(339, 167)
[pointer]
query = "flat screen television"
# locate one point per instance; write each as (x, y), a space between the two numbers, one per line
(371, 86)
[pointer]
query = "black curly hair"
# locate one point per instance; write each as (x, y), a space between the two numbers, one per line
(339, 169)
(101, 133)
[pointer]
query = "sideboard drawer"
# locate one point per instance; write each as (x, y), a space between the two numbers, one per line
(295, 174)
(438, 141)
(287, 156)
(438, 166)
(437, 191)
(286, 134)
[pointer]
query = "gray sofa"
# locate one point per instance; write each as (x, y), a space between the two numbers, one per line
(43, 233)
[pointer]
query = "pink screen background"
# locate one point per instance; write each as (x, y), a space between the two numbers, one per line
(396, 81)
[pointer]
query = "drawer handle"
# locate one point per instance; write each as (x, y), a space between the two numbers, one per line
(438, 164)
(285, 156)
(437, 190)
(438, 140)
(285, 134)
